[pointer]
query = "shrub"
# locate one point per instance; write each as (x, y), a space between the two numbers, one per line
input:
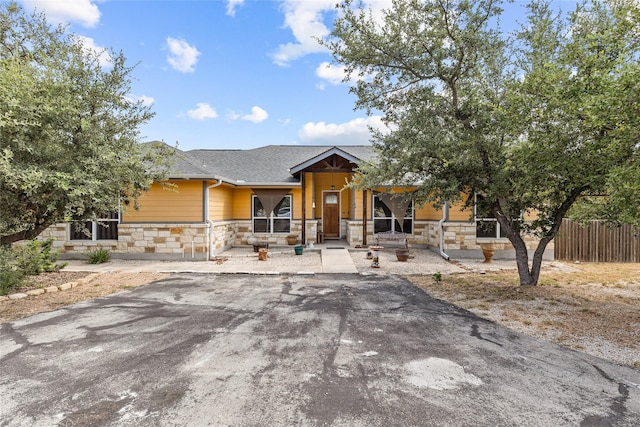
(10, 275)
(38, 257)
(98, 256)
(17, 262)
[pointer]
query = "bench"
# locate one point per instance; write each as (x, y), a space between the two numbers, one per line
(399, 239)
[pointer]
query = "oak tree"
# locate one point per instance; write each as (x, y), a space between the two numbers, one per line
(69, 129)
(529, 122)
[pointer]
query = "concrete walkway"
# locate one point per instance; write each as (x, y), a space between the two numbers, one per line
(337, 260)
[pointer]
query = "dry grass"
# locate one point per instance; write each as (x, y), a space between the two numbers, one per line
(595, 308)
(88, 286)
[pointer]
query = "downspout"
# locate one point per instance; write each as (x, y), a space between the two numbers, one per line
(445, 217)
(209, 221)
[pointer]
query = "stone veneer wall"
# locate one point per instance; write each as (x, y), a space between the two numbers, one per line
(460, 239)
(224, 234)
(190, 241)
(138, 241)
(244, 231)
(420, 236)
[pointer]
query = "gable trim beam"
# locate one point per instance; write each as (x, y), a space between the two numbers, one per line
(320, 157)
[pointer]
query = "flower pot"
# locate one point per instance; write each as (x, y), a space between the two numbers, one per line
(402, 254)
(488, 254)
(292, 240)
(298, 250)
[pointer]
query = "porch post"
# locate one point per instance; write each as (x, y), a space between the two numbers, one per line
(364, 217)
(304, 207)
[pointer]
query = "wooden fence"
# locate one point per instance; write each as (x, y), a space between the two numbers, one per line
(597, 242)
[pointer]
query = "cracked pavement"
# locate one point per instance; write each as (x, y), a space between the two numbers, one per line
(322, 350)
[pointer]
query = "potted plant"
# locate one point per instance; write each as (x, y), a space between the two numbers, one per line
(402, 254)
(292, 239)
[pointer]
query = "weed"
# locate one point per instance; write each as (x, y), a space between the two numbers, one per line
(437, 277)
(549, 282)
(98, 256)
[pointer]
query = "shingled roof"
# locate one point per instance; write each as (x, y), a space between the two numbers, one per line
(269, 165)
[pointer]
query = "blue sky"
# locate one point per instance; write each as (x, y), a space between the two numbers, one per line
(229, 73)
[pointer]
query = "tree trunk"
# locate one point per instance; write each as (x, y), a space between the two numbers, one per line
(23, 235)
(536, 264)
(522, 261)
(530, 276)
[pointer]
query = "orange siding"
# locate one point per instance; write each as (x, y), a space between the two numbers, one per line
(242, 203)
(221, 201)
(357, 205)
(428, 213)
(323, 182)
(456, 213)
(308, 181)
(424, 213)
(296, 194)
(184, 203)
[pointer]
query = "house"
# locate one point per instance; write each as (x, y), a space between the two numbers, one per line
(228, 198)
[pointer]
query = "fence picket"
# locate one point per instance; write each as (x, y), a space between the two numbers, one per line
(597, 242)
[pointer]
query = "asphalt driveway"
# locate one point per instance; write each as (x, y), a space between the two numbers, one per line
(295, 350)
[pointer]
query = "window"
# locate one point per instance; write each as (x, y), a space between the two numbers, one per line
(385, 221)
(99, 229)
(278, 222)
(487, 226)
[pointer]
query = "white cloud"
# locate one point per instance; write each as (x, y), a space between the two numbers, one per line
(146, 100)
(232, 115)
(354, 132)
(182, 56)
(331, 73)
(232, 5)
(257, 115)
(305, 19)
(89, 45)
(203, 111)
(334, 74)
(83, 12)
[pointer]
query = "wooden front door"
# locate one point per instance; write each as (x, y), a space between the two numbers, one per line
(331, 214)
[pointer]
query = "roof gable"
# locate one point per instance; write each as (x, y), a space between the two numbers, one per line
(331, 152)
